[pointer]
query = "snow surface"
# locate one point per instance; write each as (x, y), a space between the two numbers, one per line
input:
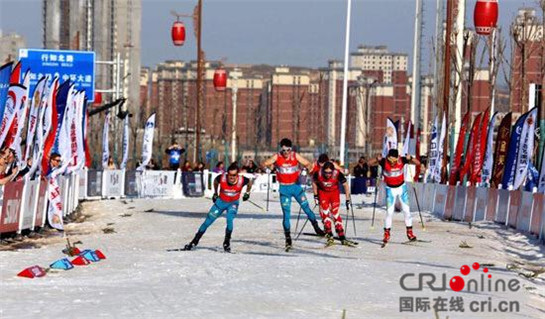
(142, 279)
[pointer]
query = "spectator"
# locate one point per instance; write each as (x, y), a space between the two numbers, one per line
(200, 167)
(220, 168)
(111, 164)
(373, 175)
(54, 162)
(250, 167)
(25, 170)
(4, 176)
(174, 152)
(187, 167)
(361, 171)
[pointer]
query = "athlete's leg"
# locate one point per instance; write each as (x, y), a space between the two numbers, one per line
(285, 202)
(336, 215)
(390, 206)
(404, 199)
(214, 212)
(232, 211)
(301, 198)
(325, 207)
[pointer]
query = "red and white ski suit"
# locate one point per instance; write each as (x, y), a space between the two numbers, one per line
(330, 198)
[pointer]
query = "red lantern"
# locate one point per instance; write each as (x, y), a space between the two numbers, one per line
(98, 98)
(220, 79)
(485, 16)
(178, 33)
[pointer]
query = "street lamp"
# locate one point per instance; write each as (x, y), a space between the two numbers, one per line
(197, 15)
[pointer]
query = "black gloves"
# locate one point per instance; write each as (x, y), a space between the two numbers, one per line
(214, 197)
(348, 203)
(245, 197)
(316, 200)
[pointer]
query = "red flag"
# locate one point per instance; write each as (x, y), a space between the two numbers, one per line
(459, 150)
(479, 149)
(502, 146)
(15, 74)
(470, 152)
(50, 139)
(417, 155)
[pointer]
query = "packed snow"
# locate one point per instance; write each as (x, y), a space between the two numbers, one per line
(142, 278)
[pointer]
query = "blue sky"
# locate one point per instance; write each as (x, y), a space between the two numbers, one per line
(295, 32)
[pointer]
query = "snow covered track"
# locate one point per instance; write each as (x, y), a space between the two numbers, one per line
(141, 278)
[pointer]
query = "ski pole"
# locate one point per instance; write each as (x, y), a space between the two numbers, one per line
(268, 187)
(299, 214)
(256, 205)
(304, 224)
(353, 218)
(374, 205)
(419, 212)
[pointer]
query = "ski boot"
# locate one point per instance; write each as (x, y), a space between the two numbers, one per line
(410, 234)
(346, 242)
(227, 241)
(330, 240)
(317, 228)
(386, 238)
(288, 241)
(194, 242)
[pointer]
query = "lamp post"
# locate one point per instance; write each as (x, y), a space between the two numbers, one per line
(197, 15)
(234, 78)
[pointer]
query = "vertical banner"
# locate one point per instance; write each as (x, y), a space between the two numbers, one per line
(417, 153)
(147, 144)
(390, 138)
(15, 100)
(454, 170)
(5, 72)
(33, 116)
(471, 149)
(439, 164)
(105, 145)
(407, 141)
(480, 149)
(125, 142)
(49, 124)
(488, 155)
(502, 147)
(14, 135)
(54, 210)
(433, 150)
(526, 148)
(513, 153)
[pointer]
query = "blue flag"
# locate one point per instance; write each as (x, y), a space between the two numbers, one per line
(62, 97)
(512, 154)
(5, 72)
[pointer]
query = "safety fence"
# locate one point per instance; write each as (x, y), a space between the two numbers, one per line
(524, 211)
(24, 203)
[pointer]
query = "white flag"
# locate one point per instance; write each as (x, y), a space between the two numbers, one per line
(436, 172)
(19, 122)
(407, 141)
(147, 145)
(65, 140)
(54, 209)
(390, 138)
(125, 143)
(39, 95)
(434, 141)
(105, 145)
(79, 131)
(526, 148)
(489, 155)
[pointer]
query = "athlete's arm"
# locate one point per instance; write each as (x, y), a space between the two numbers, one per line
(344, 182)
(248, 182)
(303, 161)
(412, 160)
(315, 188)
(216, 184)
(270, 161)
